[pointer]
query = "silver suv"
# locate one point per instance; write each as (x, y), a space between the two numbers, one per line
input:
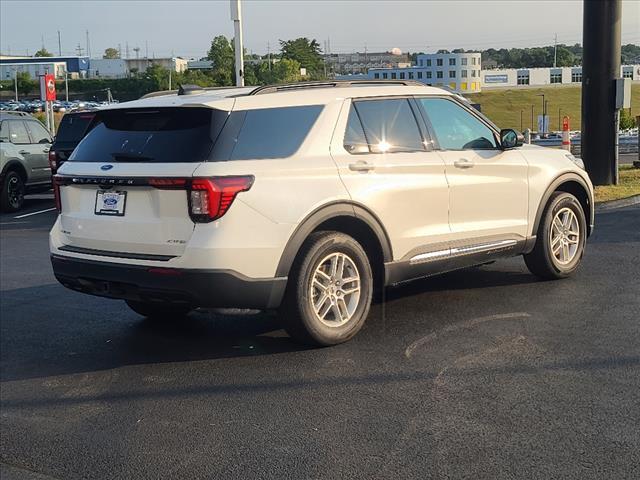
(24, 162)
(306, 198)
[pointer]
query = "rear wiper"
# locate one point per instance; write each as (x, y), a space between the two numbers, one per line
(130, 157)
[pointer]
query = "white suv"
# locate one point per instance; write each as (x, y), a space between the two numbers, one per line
(306, 198)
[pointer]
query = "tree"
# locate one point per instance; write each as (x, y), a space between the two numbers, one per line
(627, 121)
(43, 53)
(111, 53)
(283, 71)
(25, 84)
(221, 54)
(306, 52)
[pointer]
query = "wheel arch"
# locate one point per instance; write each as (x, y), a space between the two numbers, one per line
(574, 184)
(16, 166)
(346, 217)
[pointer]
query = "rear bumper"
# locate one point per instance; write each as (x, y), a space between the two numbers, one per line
(196, 287)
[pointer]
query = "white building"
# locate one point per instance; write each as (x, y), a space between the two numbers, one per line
(460, 72)
(124, 67)
(35, 70)
(515, 77)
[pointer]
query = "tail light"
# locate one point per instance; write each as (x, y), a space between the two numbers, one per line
(56, 192)
(209, 198)
(53, 163)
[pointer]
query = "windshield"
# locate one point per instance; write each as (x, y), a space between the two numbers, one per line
(73, 127)
(161, 135)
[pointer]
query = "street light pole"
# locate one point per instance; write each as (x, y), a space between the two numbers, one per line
(236, 16)
(544, 112)
(15, 74)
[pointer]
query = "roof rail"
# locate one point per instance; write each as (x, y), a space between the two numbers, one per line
(17, 113)
(330, 84)
(162, 93)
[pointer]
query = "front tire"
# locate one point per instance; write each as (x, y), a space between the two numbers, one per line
(12, 194)
(160, 311)
(560, 240)
(329, 292)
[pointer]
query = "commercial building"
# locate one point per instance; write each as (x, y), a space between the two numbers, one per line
(124, 67)
(460, 72)
(355, 63)
(77, 67)
(516, 77)
(8, 70)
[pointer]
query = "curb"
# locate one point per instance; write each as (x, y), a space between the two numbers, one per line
(623, 202)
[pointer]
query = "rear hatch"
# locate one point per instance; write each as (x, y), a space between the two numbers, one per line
(114, 196)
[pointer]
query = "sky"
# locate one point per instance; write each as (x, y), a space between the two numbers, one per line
(186, 28)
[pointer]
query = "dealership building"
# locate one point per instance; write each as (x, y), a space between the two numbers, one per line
(462, 73)
(516, 77)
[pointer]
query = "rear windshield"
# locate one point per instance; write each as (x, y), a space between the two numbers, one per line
(163, 135)
(73, 127)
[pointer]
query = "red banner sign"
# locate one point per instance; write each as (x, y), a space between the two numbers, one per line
(48, 87)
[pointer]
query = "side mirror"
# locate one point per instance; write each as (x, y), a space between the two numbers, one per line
(510, 138)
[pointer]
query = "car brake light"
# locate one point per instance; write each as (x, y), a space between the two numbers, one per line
(52, 161)
(210, 198)
(56, 192)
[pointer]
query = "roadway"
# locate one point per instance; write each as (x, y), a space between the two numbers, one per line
(480, 373)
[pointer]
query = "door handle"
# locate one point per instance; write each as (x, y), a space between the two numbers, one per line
(23, 152)
(361, 166)
(463, 163)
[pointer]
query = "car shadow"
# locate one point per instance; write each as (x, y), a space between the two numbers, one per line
(66, 332)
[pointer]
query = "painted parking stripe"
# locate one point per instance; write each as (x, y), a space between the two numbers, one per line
(35, 213)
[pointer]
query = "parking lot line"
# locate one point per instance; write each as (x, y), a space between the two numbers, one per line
(35, 213)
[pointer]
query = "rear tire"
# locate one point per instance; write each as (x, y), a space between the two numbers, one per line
(560, 240)
(12, 193)
(160, 311)
(329, 291)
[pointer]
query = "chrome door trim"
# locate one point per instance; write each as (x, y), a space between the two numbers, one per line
(460, 251)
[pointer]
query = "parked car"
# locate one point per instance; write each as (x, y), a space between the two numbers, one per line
(306, 198)
(24, 166)
(73, 127)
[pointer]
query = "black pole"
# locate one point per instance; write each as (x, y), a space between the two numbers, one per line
(600, 66)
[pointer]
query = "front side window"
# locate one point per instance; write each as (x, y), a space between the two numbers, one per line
(38, 132)
(18, 133)
(389, 125)
(455, 128)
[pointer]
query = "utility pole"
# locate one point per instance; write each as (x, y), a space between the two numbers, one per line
(600, 67)
(66, 85)
(79, 50)
(269, 55)
(15, 73)
(137, 50)
(88, 44)
(59, 45)
(236, 16)
(126, 49)
(555, 50)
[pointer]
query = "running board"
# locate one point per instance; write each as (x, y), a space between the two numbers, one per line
(448, 259)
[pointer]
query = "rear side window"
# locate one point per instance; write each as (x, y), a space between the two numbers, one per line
(164, 135)
(390, 125)
(265, 133)
(455, 128)
(355, 140)
(73, 127)
(38, 132)
(18, 133)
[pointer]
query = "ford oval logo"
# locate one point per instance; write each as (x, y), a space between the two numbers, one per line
(106, 167)
(110, 201)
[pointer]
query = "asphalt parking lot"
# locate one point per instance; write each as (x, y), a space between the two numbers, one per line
(480, 373)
